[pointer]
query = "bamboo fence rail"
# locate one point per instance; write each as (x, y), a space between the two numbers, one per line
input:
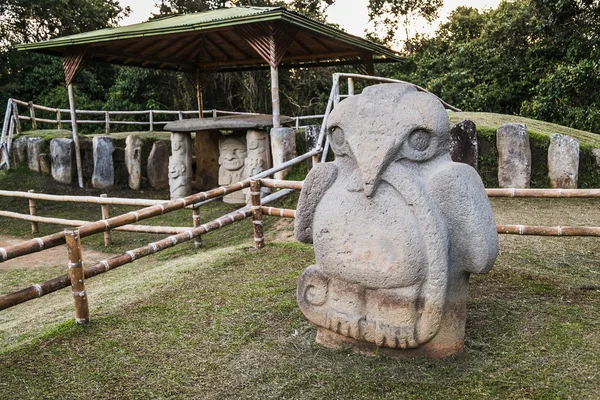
(544, 193)
(83, 199)
(279, 212)
(548, 230)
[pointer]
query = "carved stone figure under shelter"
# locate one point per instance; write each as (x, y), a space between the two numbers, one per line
(180, 165)
(397, 228)
(232, 158)
(259, 156)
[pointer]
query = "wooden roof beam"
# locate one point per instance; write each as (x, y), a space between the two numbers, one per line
(231, 43)
(218, 48)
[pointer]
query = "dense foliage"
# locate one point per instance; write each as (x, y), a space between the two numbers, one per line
(536, 58)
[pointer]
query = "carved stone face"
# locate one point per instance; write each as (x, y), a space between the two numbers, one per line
(233, 154)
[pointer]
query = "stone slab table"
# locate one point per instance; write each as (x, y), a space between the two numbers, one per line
(230, 148)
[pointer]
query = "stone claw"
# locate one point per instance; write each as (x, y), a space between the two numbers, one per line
(395, 337)
(344, 324)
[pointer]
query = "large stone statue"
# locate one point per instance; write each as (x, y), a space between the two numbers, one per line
(397, 228)
(259, 156)
(180, 165)
(232, 158)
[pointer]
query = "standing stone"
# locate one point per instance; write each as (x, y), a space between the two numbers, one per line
(312, 135)
(62, 153)
(206, 148)
(394, 242)
(259, 157)
(283, 148)
(19, 150)
(133, 160)
(596, 153)
(232, 157)
(180, 165)
(35, 147)
(563, 161)
(158, 165)
(463, 143)
(104, 170)
(44, 163)
(514, 156)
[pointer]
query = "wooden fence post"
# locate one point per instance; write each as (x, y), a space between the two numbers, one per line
(32, 114)
(15, 111)
(58, 119)
(180, 115)
(259, 241)
(151, 120)
(350, 87)
(106, 215)
(33, 211)
(107, 122)
(82, 313)
(196, 223)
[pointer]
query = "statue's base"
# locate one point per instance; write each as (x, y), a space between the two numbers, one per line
(333, 340)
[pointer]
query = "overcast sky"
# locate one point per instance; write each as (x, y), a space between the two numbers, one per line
(349, 14)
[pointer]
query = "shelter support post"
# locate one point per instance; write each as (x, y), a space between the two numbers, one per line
(199, 87)
(275, 96)
(75, 135)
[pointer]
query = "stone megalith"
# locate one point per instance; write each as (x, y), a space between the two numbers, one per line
(133, 161)
(232, 158)
(463, 143)
(158, 165)
(206, 148)
(563, 161)
(283, 147)
(311, 133)
(44, 163)
(397, 227)
(62, 153)
(104, 170)
(35, 147)
(258, 158)
(19, 150)
(514, 156)
(180, 165)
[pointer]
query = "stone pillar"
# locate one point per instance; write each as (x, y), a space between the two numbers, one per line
(62, 153)
(283, 147)
(133, 161)
(19, 150)
(232, 158)
(563, 161)
(44, 163)
(463, 143)
(514, 156)
(259, 157)
(206, 147)
(35, 147)
(158, 165)
(312, 135)
(104, 171)
(180, 165)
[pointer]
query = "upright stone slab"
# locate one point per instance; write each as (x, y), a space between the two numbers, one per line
(463, 143)
(259, 157)
(158, 165)
(45, 163)
(180, 165)
(311, 133)
(62, 153)
(19, 150)
(104, 171)
(283, 147)
(206, 148)
(563, 161)
(232, 158)
(397, 228)
(133, 161)
(514, 156)
(35, 147)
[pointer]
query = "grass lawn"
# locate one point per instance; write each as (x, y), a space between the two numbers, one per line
(222, 322)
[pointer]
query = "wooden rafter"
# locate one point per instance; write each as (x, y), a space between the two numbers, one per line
(176, 63)
(72, 62)
(199, 47)
(156, 48)
(322, 44)
(177, 47)
(269, 40)
(232, 44)
(222, 53)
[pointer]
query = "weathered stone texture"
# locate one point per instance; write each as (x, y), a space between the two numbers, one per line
(133, 161)
(311, 133)
(463, 143)
(158, 165)
(206, 148)
(232, 158)
(44, 163)
(514, 156)
(62, 153)
(563, 161)
(19, 150)
(396, 226)
(180, 165)
(283, 148)
(104, 171)
(35, 147)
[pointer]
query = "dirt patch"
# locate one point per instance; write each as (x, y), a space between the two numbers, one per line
(47, 258)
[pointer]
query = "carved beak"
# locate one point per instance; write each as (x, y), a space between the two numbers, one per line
(373, 155)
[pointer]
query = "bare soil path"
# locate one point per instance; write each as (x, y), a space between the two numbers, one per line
(47, 258)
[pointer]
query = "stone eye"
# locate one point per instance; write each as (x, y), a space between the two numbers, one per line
(336, 136)
(419, 139)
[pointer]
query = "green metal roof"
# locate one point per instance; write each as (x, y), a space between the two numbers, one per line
(209, 21)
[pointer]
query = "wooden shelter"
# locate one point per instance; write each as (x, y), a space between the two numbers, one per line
(222, 40)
